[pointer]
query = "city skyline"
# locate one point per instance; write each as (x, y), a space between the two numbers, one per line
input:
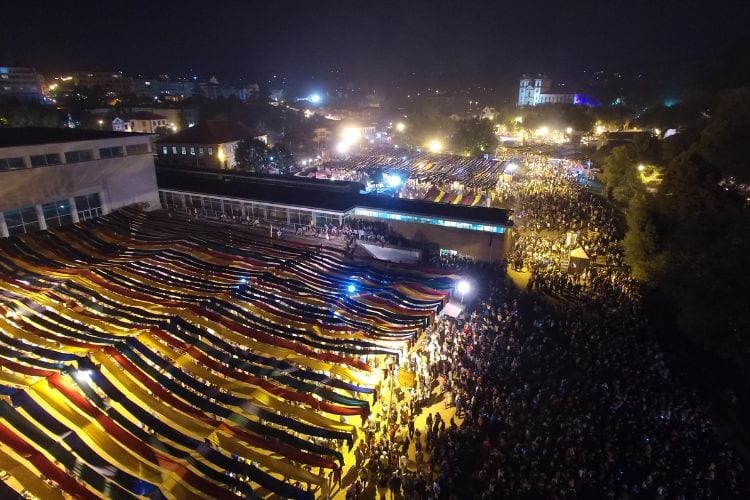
(443, 43)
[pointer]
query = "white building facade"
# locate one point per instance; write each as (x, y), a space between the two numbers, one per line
(535, 92)
(21, 83)
(142, 123)
(55, 177)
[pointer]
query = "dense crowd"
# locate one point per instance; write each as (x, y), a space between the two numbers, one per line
(438, 170)
(552, 399)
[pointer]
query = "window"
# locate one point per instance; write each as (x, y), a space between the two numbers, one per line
(112, 152)
(44, 160)
(210, 151)
(12, 163)
(183, 150)
(138, 149)
(88, 206)
(57, 213)
(200, 151)
(77, 156)
(164, 150)
(192, 151)
(174, 150)
(21, 220)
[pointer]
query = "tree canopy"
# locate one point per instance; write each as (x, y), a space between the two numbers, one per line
(690, 240)
(474, 137)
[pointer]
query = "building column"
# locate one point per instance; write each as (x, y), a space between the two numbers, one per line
(40, 217)
(106, 208)
(73, 209)
(3, 226)
(288, 216)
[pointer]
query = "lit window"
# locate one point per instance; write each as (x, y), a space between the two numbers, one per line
(183, 150)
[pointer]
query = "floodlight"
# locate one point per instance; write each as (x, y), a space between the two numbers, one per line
(435, 146)
(342, 147)
(392, 180)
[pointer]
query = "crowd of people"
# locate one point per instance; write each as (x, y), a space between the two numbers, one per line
(555, 214)
(557, 391)
(548, 398)
(438, 170)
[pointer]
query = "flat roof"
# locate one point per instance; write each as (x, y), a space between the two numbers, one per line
(211, 132)
(315, 194)
(29, 136)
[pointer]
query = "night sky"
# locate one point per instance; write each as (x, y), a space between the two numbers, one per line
(443, 42)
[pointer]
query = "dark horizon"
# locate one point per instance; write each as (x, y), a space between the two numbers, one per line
(441, 43)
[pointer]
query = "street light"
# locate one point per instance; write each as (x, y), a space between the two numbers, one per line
(569, 130)
(435, 146)
(342, 147)
(463, 288)
(351, 134)
(314, 98)
(641, 168)
(400, 126)
(542, 131)
(351, 288)
(392, 180)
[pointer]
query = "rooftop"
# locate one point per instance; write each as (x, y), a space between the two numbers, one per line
(29, 136)
(142, 115)
(212, 132)
(337, 196)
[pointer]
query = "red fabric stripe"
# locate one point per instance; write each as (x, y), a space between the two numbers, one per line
(45, 466)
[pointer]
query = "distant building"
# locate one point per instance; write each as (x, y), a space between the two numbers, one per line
(143, 122)
(622, 138)
(536, 91)
(175, 90)
(56, 176)
(211, 89)
(21, 83)
(210, 144)
(110, 82)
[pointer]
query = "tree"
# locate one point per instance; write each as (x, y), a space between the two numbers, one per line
(690, 241)
(620, 174)
(251, 155)
(723, 141)
(475, 137)
(280, 158)
(30, 114)
(642, 243)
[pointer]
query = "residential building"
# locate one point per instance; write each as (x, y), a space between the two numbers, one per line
(142, 122)
(210, 144)
(21, 83)
(111, 82)
(57, 176)
(176, 90)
